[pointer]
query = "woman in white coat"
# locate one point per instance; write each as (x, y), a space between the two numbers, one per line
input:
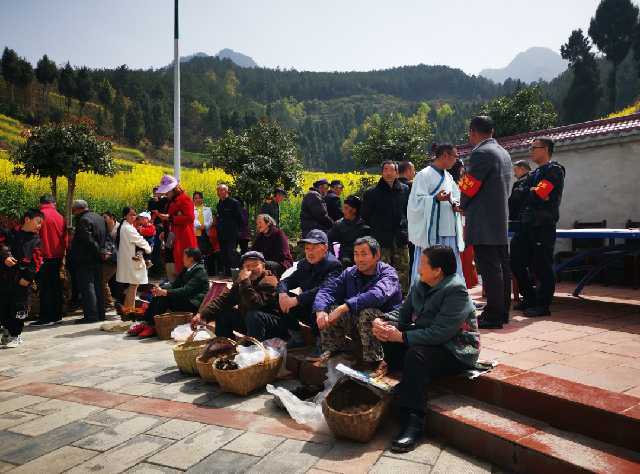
(131, 266)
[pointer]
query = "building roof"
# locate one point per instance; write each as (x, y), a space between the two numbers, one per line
(596, 129)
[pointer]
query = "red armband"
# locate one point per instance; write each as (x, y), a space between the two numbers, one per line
(543, 189)
(469, 186)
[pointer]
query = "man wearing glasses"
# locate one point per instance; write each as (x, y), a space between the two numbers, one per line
(533, 244)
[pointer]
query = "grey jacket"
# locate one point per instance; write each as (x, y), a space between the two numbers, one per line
(443, 315)
(485, 194)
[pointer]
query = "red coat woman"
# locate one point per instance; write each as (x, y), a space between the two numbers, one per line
(180, 216)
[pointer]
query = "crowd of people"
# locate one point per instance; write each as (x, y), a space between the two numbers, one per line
(390, 270)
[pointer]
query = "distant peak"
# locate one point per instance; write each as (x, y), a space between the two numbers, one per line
(529, 66)
(239, 59)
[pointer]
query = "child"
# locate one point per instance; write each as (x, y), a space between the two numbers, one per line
(20, 260)
(148, 231)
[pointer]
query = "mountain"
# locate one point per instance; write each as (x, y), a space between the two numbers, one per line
(529, 66)
(237, 58)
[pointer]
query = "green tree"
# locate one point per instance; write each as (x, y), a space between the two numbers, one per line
(84, 88)
(134, 125)
(63, 150)
(10, 69)
(67, 84)
(259, 158)
(25, 78)
(118, 113)
(46, 73)
(612, 29)
(105, 92)
(523, 111)
(160, 126)
(581, 101)
(636, 47)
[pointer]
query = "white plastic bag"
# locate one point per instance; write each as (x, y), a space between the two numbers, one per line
(305, 413)
(252, 355)
(181, 333)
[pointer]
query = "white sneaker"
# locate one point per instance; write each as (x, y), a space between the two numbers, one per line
(14, 342)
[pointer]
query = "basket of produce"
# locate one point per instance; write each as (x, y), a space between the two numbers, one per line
(215, 348)
(185, 353)
(167, 322)
(247, 369)
(353, 410)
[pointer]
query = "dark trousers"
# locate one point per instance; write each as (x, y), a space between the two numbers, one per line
(532, 252)
(419, 365)
(258, 324)
(12, 301)
(229, 255)
(90, 286)
(163, 304)
(51, 290)
(493, 265)
(303, 314)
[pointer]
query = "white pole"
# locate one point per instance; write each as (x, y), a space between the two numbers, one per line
(176, 97)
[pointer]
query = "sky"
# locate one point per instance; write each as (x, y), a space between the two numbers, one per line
(315, 35)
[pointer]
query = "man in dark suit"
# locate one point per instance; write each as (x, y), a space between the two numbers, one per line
(87, 252)
(485, 192)
(229, 213)
(332, 199)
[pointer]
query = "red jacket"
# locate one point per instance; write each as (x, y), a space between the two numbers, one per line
(53, 233)
(182, 215)
(146, 230)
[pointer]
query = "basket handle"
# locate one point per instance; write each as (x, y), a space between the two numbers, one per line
(256, 343)
(199, 328)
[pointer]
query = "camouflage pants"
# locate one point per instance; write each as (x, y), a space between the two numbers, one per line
(398, 258)
(334, 338)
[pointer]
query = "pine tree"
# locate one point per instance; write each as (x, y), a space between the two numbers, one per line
(67, 84)
(46, 73)
(10, 69)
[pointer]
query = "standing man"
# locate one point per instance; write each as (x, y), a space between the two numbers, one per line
(313, 213)
(271, 205)
(334, 206)
(86, 248)
(407, 172)
(384, 209)
(485, 192)
(519, 193)
(533, 243)
(228, 225)
(53, 244)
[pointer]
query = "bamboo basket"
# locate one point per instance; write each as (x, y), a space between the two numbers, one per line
(246, 380)
(359, 426)
(205, 367)
(185, 353)
(167, 322)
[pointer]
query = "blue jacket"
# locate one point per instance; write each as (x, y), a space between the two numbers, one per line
(309, 278)
(381, 291)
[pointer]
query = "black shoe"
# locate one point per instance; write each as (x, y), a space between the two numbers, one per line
(42, 323)
(523, 305)
(409, 435)
(489, 324)
(86, 321)
(537, 312)
(478, 305)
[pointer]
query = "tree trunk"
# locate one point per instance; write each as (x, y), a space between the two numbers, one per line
(54, 187)
(71, 189)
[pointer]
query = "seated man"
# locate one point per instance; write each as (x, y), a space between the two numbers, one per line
(433, 334)
(348, 304)
(250, 306)
(185, 293)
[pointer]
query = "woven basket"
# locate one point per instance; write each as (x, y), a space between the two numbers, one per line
(167, 322)
(185, 353)
(205, 367)
(246, 380)
(359, 426)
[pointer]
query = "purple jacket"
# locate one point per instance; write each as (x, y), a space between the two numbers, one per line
(274, 245)
(381, 291)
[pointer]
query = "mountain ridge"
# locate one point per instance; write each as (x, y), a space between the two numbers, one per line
(529, 66)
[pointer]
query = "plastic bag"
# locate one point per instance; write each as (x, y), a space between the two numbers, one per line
(305, 413)
(182, 332)
(252, 355)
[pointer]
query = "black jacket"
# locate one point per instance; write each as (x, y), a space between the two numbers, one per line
(542, 204)
(384, 209)
(89, 239)
(229, 219)
(309, 278)
(346, 233)
(334, 205)
(25, 247)
(313, 213)
(519, 194)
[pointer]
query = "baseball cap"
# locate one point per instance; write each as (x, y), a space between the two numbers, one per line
(315, 236)
(167, 183)
(320, 182)
(252, 255)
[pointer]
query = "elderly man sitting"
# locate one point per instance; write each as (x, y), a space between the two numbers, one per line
(348, 304)
(250, 306)
(433, 334)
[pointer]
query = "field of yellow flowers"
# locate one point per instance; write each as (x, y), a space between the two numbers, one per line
(133, 184)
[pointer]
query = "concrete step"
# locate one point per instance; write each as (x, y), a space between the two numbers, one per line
(522, 444)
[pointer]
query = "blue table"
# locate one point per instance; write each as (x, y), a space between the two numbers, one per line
(611, 252)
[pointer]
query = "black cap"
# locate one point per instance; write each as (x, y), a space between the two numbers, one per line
(315, 236)
(252, 255)
(320, 182)
(354, 201)
(336, 182)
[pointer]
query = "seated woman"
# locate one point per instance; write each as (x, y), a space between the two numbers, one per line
(433, 334)
(273, 244)
(184, 294)
(348, 229)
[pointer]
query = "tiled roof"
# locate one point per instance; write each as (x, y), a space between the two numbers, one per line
(568, 133)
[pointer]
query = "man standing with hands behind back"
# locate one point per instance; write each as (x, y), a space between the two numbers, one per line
(485, 192)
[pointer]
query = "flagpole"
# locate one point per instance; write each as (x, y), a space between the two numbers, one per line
(176, 96)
